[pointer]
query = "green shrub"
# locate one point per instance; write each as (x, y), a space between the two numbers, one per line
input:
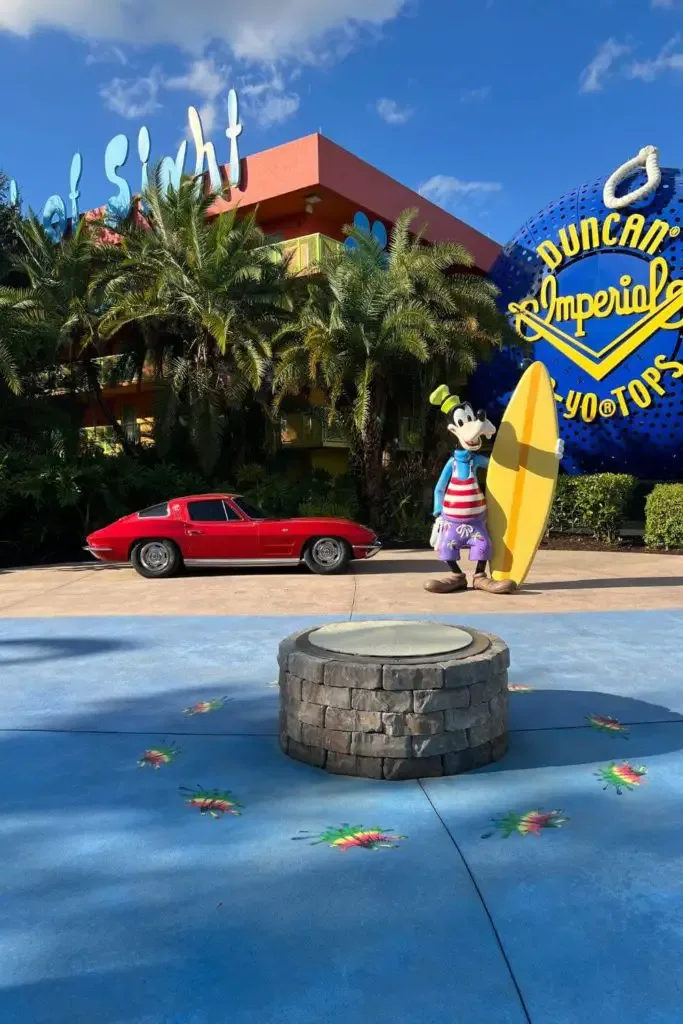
(564, 514)
(407, 501)
(273, 492)
(598, 504)
(327, 508)
(330, 496)
(320, 494)
(50, 501)
(664, 517)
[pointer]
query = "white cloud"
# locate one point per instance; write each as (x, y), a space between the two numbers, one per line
(664, 3)
(445, 190)
(255, 30)
(106, 55)
(135, 97)
(593, 76)
(475, 95)
(267, 100)
(208, 114)
(203, 77)
(392, 113)
(207, 80)
(668, 59)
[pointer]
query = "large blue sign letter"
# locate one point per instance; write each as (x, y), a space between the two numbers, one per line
(171, 171)
(74, 194)
(115, 156)
(54, 218)
(204, 149)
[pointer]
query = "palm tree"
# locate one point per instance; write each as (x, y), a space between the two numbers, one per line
(9, 225)
(56, 311)
(9, 374)
(201, 298)
(377, 320)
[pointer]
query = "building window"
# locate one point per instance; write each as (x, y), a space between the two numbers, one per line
(130, 426)
(334, 435)
(409, 435)
(300, 430)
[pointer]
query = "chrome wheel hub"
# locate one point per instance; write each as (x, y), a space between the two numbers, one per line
(327, 552)
(154, 557)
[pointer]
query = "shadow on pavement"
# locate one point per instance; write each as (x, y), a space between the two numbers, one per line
(433, 567)
(123, 905)
(602, 584)
(570, 709)
(52, 648)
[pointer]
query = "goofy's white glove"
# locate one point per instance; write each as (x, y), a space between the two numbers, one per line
(436, 530)
(559, 449)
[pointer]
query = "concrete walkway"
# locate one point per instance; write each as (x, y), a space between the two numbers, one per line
(390, 584)
(123, 903)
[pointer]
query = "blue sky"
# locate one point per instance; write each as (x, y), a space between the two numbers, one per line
(492, 107)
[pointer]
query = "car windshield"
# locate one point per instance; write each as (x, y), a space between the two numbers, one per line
(249, 510)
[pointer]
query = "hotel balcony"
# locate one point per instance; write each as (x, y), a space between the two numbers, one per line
(311, 429)
(116, 372)
(306, 251)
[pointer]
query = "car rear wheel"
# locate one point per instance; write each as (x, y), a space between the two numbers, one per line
(156, 559)
(327, 555)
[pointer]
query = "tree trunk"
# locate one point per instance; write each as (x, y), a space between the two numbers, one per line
(93, 379)
(369, 462)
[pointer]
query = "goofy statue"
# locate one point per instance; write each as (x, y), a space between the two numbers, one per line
(459, 503)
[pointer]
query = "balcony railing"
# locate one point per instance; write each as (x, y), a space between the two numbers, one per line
(311, 429)
(117, 371)
(306, 251)
(139, 431)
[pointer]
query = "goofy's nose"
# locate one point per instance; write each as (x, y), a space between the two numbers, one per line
(481, 415)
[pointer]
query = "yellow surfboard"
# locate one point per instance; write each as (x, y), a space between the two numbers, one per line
(522, 475)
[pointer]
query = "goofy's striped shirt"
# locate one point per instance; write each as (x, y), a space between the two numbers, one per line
(458, 494)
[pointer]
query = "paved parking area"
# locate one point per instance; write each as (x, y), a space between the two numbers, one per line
(123, 903)
(391, 584)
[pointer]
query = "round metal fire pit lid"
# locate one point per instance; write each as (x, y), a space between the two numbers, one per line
(390, 639)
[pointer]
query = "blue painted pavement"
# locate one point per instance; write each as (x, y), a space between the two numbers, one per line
(123, 904)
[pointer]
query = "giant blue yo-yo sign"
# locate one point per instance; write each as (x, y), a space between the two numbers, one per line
(594, 283)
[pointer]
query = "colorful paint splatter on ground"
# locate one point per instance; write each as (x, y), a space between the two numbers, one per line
(519, 688)
(346, 836)
(203, 707)
(155, 757)
(605, 723)
(531, 823)
(214, 802)
(622, 776)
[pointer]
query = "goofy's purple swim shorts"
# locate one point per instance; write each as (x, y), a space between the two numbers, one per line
(455, 535)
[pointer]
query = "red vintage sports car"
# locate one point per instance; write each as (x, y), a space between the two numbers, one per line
(227, 531)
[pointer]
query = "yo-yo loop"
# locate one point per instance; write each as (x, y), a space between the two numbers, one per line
(648, 159)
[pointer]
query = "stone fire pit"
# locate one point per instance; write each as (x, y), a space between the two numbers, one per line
(394, 700)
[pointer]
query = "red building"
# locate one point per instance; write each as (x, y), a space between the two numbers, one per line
(306, 191)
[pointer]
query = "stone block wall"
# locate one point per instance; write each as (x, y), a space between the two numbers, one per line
(384, 719)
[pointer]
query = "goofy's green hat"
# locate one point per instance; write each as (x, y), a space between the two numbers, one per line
(445, 399)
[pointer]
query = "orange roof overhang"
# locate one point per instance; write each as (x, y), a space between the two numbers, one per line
(278, 180)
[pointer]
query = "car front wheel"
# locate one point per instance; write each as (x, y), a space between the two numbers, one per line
(156, 559)
(327, 555)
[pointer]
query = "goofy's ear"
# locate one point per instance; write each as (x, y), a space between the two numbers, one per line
(445, 399)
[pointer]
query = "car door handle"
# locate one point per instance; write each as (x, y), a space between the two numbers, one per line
(194, 533)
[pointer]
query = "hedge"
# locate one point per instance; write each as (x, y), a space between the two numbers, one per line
(664, 517)
(596, 504)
